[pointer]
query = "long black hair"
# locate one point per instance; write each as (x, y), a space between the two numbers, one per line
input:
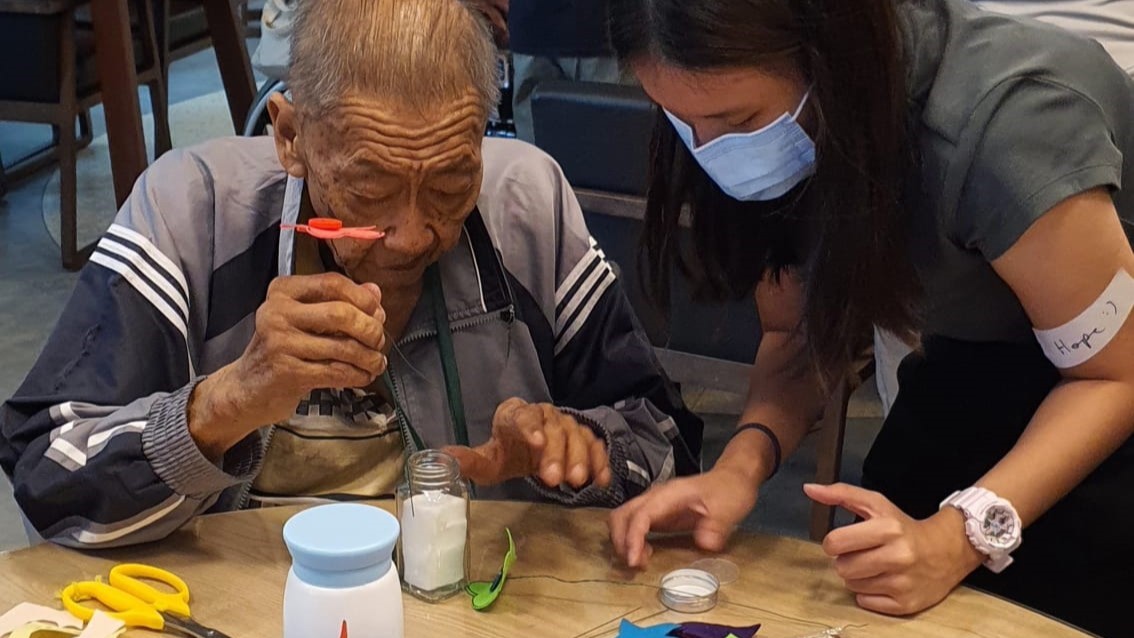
(844, 230)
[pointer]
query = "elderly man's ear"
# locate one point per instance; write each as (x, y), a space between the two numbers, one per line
(285, 125)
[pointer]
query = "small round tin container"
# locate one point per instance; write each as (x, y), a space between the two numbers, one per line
(689, 591)
(726, 571)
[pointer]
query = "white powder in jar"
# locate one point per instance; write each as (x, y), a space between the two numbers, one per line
(434, 532)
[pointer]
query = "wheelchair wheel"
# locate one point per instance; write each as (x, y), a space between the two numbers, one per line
(257, 121)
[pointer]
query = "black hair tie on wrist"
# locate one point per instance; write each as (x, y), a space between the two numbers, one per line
(777, 451)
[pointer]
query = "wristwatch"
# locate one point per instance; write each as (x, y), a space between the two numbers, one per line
(992, 525)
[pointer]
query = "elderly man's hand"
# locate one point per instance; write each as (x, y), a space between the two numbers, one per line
(536, 440)
(321, 331)
(497, 13)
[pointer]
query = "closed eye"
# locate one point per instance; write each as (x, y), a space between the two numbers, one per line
(452, 186)
(747, 123)
(449, 192)
(370, 199)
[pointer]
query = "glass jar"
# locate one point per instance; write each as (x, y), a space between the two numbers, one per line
(433, 508)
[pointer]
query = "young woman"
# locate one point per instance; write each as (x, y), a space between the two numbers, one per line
(949, 175)
(1108, 22)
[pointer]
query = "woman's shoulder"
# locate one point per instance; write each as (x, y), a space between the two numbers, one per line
(960, 57)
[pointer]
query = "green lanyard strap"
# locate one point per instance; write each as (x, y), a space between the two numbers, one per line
(448, 366)
(448, 354)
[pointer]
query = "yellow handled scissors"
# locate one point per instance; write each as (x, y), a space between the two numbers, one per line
(137, 604)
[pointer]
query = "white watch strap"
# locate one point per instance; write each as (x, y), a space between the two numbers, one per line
(972, 503)
(971, 500)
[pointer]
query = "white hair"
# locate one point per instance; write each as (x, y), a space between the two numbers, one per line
(422, 53)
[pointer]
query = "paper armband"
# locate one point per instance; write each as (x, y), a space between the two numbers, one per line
(1080, 339)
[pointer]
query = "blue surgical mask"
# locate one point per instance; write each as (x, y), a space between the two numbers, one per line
(757, 166)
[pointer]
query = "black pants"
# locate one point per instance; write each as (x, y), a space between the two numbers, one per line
(960, 408)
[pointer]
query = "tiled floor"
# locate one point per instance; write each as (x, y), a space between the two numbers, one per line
(33, 289)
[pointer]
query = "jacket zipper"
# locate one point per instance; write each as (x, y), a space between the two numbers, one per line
(507, 315)
(399, 401)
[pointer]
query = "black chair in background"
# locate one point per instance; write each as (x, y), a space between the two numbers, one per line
(600, 134)
(49, 77)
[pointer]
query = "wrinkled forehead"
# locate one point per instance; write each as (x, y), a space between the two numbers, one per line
(441, 134)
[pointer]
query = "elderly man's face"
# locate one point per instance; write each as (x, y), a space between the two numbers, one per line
(415, 175)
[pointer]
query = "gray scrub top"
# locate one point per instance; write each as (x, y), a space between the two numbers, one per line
(1011, 118)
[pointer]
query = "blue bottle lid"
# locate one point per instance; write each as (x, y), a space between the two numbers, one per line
(341, 545)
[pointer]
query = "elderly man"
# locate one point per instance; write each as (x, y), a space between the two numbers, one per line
(210, 360)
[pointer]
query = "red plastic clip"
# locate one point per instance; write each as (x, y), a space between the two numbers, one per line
(328, 228)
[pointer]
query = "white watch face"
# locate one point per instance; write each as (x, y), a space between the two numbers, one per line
(999, 527)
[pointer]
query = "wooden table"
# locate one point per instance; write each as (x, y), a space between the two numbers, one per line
(236, 566)
(114, 54)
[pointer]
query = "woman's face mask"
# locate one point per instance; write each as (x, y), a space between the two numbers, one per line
(757, 166)
(742, 125)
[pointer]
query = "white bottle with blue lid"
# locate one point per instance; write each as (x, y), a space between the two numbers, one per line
(343, 582)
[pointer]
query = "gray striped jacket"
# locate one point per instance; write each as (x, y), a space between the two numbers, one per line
(96, 441)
